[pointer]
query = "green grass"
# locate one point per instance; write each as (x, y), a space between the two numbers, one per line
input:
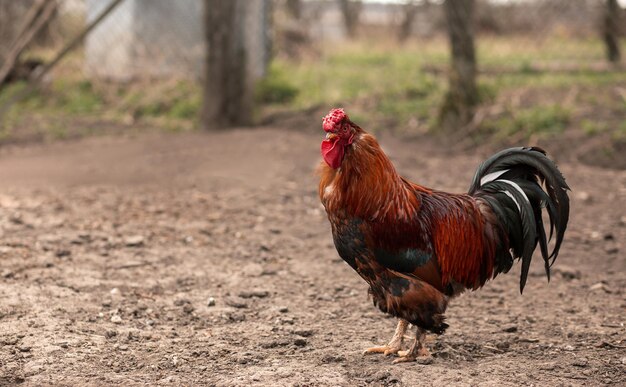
(538, 120)
(381, 83)
(385, 85)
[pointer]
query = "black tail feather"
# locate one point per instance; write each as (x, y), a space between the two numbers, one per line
(511, 183)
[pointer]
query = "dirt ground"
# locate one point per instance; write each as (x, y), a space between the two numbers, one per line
(206, 259)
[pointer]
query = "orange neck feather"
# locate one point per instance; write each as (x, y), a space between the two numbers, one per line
(367, 184)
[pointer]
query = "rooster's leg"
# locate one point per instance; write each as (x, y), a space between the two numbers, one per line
(417, 350)
(395, 343)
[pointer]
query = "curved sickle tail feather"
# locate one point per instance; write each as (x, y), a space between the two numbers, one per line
(511, 183)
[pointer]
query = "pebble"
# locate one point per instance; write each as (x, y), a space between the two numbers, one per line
(304, 332)
(24, 348)
(236, 303)
(300, 342)
(254, 293)
(11, 340)
(188, 308)
(425, 360)
(210, 301)
(584, 197)
(134, 241)
(283, 309)
(580, 362)
(510, 329)
(600, 286)
(568, 273)
(63, 253)
(116, 319)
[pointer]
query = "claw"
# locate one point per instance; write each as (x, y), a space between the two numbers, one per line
(421, 355)
(404, 359)
(385, 350)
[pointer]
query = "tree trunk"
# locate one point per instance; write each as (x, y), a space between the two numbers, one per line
(228, 87)
(611, 30)
(462, 96)
(351, 11)
(294, 8)
(410, 10)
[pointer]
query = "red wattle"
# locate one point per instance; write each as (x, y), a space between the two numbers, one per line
(332, 152)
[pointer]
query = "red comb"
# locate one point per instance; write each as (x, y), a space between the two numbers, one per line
(333, 118)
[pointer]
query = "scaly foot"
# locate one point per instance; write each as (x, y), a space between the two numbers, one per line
(417, 352)
(394, 344)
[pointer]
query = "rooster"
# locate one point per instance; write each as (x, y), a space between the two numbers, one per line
(417, 247)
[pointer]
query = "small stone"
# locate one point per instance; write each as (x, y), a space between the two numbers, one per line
(115, 292)
(24, 348)
(110, 333)
(181, 302)
(580, 362)
(600, 286)
(283, 309)
(510, 329)
(254, 293)
(300, 342)
(134, 241)
(425, 360)
(568, 348)
(568, 273)
(584, 197)
(333, 359)
(63, 253)
(116, 319)
(11, 340)
(304, 332)
(123, 347)
(236, 303)
(210, 301)
(188, 308)
(611, 249)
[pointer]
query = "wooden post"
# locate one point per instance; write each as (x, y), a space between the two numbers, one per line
(611, 31)
(236, 59)
(462, 96)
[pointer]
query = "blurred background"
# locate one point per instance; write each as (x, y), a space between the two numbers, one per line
(522, 72)
(159, 215)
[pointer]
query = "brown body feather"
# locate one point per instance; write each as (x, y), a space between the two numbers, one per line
(394, 216)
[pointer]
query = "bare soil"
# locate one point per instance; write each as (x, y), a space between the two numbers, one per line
(206, 259)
